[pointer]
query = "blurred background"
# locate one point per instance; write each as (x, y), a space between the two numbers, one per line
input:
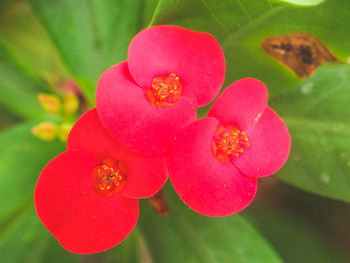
(51, 56)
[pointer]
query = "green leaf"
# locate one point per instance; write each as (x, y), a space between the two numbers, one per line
(5, 4)
(29, 42)
(7, 118)
(90, 35)
(18, 86)
(148, 8)
(185, 236)
(126, 252)
(241, 26)
(301, 3)
(317, 116)
(22, 156)
(27, 240)
(294, 238)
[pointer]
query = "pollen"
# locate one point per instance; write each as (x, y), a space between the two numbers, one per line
(109, 177)
(228, 143)
(165, 91)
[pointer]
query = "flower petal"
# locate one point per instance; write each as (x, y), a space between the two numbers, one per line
(269, 146)
(146, 174)
(206, 185)
(240, 103)
(89, 134)
(127, 114)
(195, 57)
(80, 218)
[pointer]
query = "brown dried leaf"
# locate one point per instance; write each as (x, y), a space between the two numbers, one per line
(159, 203)
(301, 52)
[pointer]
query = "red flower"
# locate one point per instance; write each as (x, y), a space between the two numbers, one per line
(170, 71)
(87, 196)
(214, 162)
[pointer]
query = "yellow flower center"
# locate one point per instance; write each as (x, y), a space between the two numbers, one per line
(109, 177)
(165, 91)
(228, 143)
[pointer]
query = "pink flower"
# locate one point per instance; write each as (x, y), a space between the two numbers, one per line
(87, 196)
(215, 161)
(170, 71)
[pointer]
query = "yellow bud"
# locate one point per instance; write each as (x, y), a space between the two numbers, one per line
(51, 103)
(46, 131)
(70, 103)
(64, 130)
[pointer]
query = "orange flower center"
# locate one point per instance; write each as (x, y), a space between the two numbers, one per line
(228, 143)
(109, 177)
(165, 91)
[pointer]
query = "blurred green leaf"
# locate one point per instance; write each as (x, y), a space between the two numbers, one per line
(126, 252)
(7, 118)
(18, 86)
(301, 2)
(294, 238)
(22, 158)
(317, 116)
(149, 7)
(28, 41)
(185, 236)
(241, 26)
(90, 35)
(5, 4)
(27, 240)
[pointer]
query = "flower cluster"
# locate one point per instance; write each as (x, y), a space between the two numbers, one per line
(144, 127)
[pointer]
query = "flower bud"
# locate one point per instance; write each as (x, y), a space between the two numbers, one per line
(70, 103)
(63, 131)
(50, 103)
(46, 131)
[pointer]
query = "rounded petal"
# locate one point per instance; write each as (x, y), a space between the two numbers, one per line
(205, 184)
(269, 146)
(146, 174)
(127, 114)
(80, 218)
(195, 57)
(240, 103)
(89, 134)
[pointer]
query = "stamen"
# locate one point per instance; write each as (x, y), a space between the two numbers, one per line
(109, 177)
(165, 91)
(228, 143)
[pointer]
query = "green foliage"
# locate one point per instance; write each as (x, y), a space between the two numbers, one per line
(89, 35)
(29, 42)
(185, 236)
(319, 124)
(18, 86)
(126, 252)
(7, 118)
(300, 3)
(22, 158)
(294, 238)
